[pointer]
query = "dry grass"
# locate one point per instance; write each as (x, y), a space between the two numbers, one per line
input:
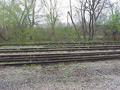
(72, 76)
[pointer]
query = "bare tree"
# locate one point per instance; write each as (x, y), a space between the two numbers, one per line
(70, 13)
(95, 8)
(51, 9)
(90, 11)
(114, 20)
(81, 11)
(33, 12)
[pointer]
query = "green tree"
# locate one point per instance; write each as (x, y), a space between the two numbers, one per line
(114, 21)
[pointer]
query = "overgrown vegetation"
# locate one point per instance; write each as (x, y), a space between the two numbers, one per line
(26, 21)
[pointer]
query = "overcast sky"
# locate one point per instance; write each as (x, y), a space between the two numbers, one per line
(63, 6)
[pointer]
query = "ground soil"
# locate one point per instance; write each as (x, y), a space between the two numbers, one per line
(102, 75)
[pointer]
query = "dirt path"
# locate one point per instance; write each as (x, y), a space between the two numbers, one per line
(74, 76)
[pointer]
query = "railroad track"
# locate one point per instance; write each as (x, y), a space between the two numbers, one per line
(20, 56)
(64, 48)
(64, 43)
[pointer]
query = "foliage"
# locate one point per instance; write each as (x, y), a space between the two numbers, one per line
(114, 21)
(36, 35)
(16, 14)
(21, 22)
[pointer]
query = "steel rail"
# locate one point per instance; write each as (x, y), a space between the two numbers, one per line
(109, 47)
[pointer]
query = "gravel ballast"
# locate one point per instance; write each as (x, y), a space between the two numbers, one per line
(102, 75)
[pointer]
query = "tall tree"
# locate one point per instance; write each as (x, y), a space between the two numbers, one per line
(51, 8)
(90, 11)
(70, 13)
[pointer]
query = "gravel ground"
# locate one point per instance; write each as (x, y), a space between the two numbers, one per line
(102, 75)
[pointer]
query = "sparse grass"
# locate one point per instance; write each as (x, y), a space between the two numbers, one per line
(72, 76)
(37, 35)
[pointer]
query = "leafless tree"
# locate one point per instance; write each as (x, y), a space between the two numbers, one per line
(70, 13)
(90, 11)
(81, 11)
(114, 12)
(51, 8)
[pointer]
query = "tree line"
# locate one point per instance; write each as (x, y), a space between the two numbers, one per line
(85, 17)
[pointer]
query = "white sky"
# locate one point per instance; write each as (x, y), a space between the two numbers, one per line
(63, 6)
